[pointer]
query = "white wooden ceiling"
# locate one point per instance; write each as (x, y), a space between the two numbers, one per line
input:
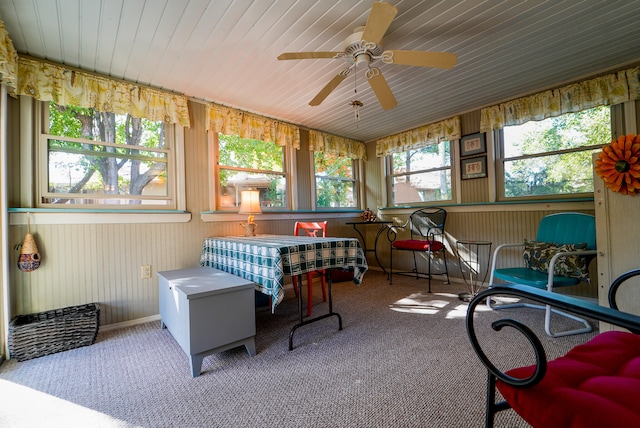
(225, 51)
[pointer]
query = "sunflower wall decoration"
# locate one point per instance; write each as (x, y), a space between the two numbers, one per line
(618, 164)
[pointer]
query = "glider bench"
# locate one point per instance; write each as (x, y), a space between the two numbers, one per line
(596, 384)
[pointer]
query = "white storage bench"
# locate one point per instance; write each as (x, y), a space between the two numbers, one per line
(207, 311)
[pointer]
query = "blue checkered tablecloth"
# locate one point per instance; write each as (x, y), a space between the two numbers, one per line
(266, 259)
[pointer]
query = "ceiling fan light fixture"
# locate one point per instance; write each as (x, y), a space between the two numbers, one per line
(363, 59)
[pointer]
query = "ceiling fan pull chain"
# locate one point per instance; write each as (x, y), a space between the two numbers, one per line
(356, 104)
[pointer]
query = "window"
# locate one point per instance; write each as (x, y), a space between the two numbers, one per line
(89, 158)
(421, 175)
(335, 181)
(552, 157)
(251, 164)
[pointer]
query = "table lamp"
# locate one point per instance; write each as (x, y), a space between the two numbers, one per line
(250, 204)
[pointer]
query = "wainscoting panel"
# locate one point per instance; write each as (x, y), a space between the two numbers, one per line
(101, 263)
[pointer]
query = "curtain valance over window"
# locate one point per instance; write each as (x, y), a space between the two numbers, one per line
(230, 121)
(446, 130)
(341, 146)
(613, 88)
(8, 61)
(48, 82)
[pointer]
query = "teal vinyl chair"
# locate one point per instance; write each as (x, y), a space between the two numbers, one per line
(559, 257)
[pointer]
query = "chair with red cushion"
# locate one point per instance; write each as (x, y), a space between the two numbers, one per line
(426, 238)
(595, 384)
(314, 228)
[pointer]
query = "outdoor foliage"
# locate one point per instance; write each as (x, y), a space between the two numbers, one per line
(552, 172)
(432, 156)
(422, 175)
(124, 168)
(334, 180)
(253, 161)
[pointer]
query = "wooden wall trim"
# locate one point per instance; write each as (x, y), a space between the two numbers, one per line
(20, 218)
(510, 207)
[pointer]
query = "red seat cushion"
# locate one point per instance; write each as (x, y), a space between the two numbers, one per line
(596, 384)
(418, 245)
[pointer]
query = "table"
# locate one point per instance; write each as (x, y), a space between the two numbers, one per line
(470, 255)
(383, 226)
(207, 311)
(266, 259)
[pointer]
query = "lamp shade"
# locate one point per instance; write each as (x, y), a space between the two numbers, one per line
(250, 202)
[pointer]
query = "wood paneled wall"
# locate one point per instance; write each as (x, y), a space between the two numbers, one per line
(477, 189)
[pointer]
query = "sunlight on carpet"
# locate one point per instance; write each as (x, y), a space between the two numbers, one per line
(459, 311)
(19, 404)
(421, 303)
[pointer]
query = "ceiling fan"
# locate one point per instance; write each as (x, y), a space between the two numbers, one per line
(364, 48)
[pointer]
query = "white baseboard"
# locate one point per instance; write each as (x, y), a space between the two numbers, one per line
(130, 323)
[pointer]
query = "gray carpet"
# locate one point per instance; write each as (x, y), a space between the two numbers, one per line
(402, 360)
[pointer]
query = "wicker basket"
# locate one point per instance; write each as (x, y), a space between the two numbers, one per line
(57, 330)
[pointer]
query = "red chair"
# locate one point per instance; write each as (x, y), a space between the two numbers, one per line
(311, 229)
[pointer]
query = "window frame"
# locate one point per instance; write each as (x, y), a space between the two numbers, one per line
(451, 168)
(215, 203)
(174, 148)
(356, 168)
(501, 160)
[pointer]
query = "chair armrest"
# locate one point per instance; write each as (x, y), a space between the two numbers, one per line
(495, 258)
(392, 233)
(552, 263)
(559, 301)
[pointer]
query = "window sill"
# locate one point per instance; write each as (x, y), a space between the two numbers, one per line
(561, 205)
(218, 216)
(20, 216)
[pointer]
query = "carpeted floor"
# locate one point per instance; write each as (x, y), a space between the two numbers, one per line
(402, 360)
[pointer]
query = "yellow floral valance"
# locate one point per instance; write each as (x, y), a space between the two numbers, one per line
(612, 88)
(8, 61)
(446, 130)
(230, 121)
(341, 146)
(49, 82)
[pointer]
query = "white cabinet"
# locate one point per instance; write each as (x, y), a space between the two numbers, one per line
(207, 311)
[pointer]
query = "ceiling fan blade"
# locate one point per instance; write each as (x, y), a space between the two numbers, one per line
(381, 89)
(333, 83)
(421, 58)
(308, 55)
(378, 22)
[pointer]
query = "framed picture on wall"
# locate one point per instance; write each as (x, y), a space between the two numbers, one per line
(473, 167)
(473, 144)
